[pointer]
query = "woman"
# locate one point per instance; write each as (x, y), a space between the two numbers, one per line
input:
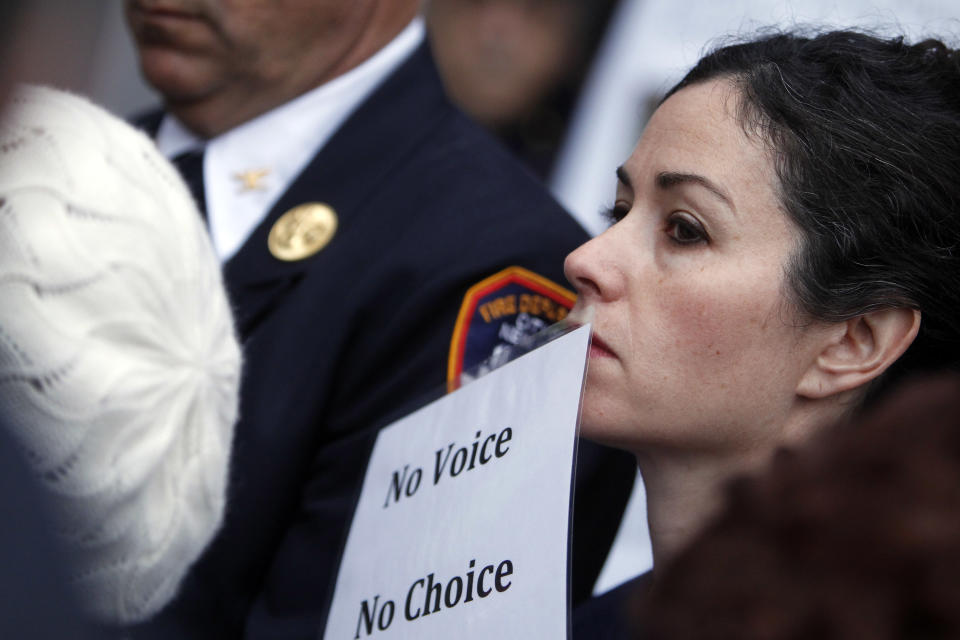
(784, 231)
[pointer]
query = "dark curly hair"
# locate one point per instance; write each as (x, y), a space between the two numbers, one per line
(857, 536)
(865, 136)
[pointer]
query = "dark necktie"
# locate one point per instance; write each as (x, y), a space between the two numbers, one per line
(190, 166)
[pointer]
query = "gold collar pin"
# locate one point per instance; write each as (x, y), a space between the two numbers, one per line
(251, 180)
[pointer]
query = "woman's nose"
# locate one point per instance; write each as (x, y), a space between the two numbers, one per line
(591, 268)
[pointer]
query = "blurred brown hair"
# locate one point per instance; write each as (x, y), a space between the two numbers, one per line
(856, 536)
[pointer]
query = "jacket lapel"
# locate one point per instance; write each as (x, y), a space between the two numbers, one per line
(358, 157)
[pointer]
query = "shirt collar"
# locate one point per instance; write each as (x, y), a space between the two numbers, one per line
(277, 144)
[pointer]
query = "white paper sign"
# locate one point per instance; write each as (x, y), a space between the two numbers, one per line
(462, 524)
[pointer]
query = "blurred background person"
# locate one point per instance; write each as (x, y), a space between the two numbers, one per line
(856, 536)
(517, 66)
(119, 368)
(121, 404)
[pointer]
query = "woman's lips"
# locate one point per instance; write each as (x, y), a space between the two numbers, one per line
(599, 348)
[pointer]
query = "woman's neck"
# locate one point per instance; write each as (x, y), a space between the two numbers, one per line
(685, 492)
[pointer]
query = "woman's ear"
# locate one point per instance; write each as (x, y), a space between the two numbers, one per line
(859, 350)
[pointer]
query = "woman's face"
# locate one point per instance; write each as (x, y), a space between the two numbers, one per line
(695, 344)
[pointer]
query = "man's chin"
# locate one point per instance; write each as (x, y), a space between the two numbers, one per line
(179, 78)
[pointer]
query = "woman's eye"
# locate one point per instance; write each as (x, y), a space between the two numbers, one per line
(616, 213)
(684, 229)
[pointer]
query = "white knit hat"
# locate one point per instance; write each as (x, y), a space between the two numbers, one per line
(119, 366)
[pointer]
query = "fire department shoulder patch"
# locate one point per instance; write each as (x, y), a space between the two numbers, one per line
(498, 312)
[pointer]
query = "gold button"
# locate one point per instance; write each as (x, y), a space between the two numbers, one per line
(302, 231)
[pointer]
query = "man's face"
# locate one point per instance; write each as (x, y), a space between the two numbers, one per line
(248, 54)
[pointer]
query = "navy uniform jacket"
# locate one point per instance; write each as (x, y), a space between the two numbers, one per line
(345, 341)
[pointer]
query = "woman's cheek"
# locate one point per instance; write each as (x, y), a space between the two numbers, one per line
(713, 327)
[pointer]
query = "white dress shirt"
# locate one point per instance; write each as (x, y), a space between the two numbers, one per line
(249, 167)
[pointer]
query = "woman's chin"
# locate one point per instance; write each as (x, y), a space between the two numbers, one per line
(603, 431)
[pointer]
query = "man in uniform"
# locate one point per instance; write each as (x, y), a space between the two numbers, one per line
(372, 238)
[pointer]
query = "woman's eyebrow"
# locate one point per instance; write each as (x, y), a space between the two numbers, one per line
(668, 179)
(624, 177)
